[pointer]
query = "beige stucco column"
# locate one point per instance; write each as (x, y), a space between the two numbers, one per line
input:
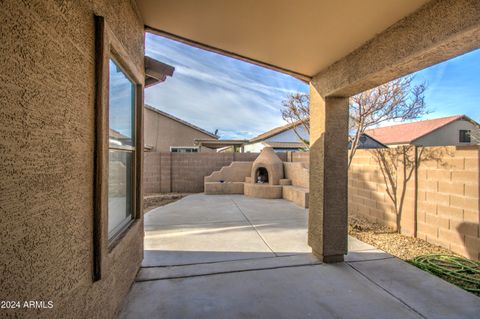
(327, 223)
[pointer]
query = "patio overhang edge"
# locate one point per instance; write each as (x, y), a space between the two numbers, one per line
(302, 77)
(411, 44)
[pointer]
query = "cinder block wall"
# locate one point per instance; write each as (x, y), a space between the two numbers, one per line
(448, 201)
(47, 118)
(185, 172)
(367, 193)
(443, 193)
(152, 164)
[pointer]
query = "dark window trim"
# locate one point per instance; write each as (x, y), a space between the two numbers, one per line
(108, 46)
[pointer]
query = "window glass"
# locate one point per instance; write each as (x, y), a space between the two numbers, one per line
(184, 149)
(121, 150)
(465, 136)
(119, 190)
(121, 107)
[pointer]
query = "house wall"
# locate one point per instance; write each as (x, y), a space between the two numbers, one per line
(289, 135)
(162, 132)
(47, 118)
(445, 195)
(254, 148)
(447, 135)
(286, 136)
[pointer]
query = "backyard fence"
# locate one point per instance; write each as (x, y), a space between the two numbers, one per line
(431, 193)
(184, 172)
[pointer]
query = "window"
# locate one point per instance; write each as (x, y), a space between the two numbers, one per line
(118, 145)
(121, 150)
(183, 149)
(465, 136)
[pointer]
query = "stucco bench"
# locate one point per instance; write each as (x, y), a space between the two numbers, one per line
(298, 195)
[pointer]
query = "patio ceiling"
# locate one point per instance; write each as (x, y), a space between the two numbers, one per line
(298, 37)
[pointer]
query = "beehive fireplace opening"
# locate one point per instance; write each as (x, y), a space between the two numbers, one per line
(261, 176)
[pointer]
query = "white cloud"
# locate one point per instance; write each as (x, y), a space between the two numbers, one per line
(216, 92)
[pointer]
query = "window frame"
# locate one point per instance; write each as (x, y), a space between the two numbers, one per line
(107, 47)
(120, 228)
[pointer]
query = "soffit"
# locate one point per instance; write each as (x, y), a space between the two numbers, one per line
(302, 36)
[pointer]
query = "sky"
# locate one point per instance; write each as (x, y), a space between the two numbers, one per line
(453, 86)
(243, 100)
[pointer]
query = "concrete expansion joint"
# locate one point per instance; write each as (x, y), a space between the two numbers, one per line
(369, 260)
(230, 272)
(216, 262)
(254, 227)
(418, 313)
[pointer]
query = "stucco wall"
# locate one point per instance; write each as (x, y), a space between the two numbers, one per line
(46, 158)
(447, 135)
(162, 132)
(298, 173)
(303, 157)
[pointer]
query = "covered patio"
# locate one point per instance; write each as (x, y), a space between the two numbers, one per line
(340, 49)
(61, 166)
(218, 256)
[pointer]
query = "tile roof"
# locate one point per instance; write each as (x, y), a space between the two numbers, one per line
(408, 132)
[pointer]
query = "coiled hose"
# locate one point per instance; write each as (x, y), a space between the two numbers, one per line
(460, 271)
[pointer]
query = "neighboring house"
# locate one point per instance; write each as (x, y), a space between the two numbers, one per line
(366, 141)
(117, 138)
(451, 130)
(166, 133)
(284, 138)
(281, 139)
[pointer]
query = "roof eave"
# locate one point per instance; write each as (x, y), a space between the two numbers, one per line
(151, 108)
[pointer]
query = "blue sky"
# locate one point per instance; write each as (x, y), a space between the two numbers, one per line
(242, 100)
(453, 86)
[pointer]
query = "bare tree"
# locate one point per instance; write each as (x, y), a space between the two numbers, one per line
(388, 161)
(296, 111)
(398, 100)
(397, 166)
(475, 136)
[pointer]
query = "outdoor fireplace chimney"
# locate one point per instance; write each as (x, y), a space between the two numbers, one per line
(267, 168)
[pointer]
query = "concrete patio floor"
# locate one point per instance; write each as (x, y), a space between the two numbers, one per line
(230, 256)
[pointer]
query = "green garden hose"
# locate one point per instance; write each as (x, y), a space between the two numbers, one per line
(460, 271)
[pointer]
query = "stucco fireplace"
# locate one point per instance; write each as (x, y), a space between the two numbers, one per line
(266, 173)
(261, 176)
(266, 177)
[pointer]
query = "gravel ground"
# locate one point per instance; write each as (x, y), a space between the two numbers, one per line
(407, 248)
(388, 240)
(153, 201)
